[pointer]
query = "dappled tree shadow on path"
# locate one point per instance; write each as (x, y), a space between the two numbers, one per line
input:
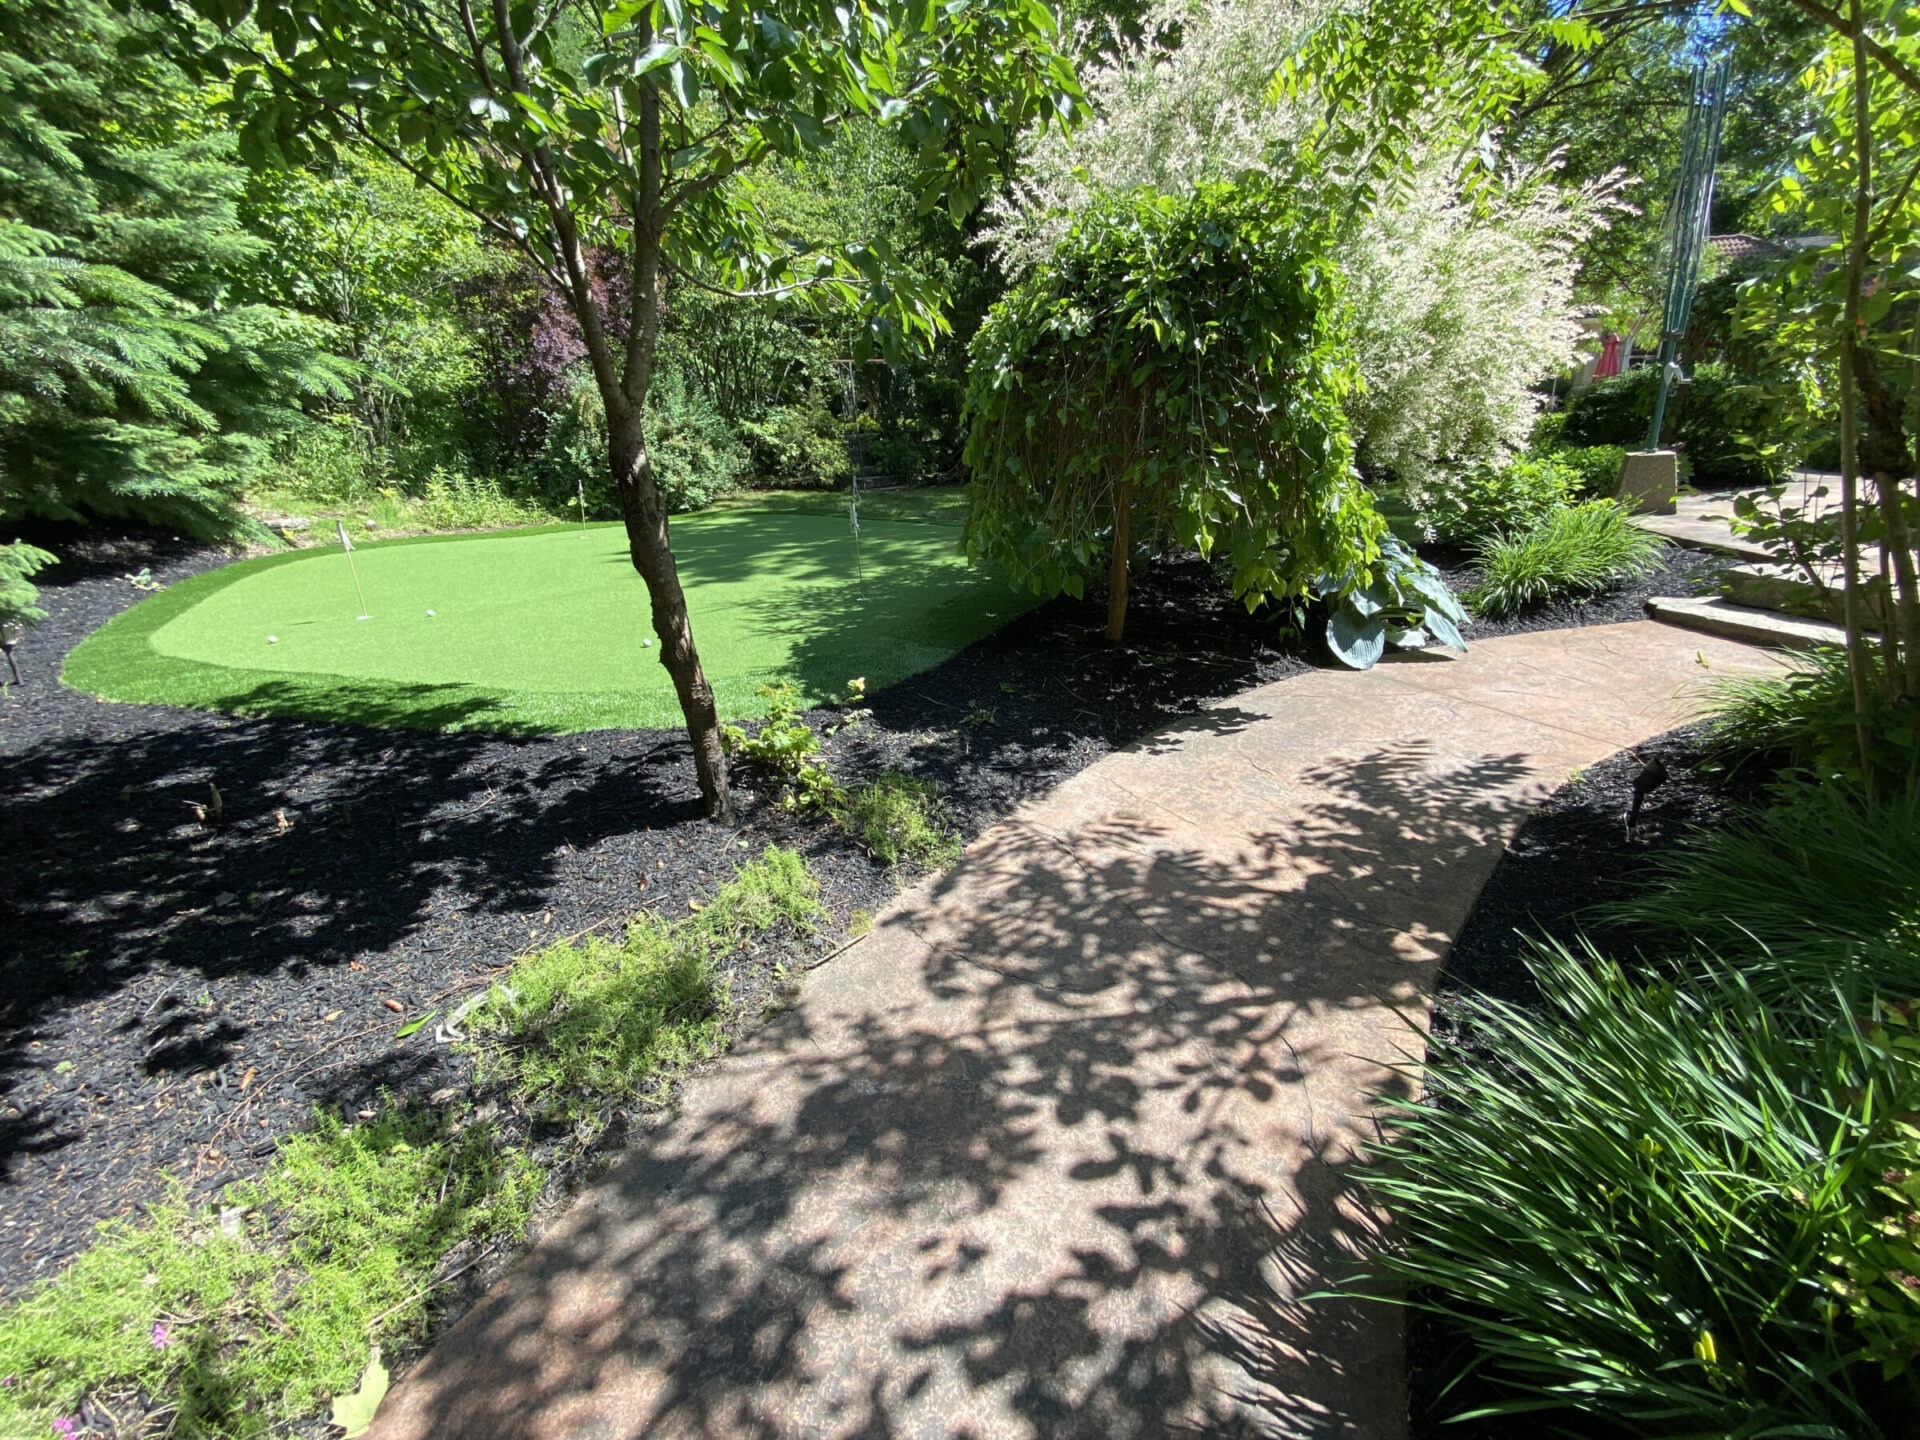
(1015, 1166)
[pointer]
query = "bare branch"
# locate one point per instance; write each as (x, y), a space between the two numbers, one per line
(480, 66)
(772, 292)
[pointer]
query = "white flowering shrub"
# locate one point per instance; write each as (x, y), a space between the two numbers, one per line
(1458, 303)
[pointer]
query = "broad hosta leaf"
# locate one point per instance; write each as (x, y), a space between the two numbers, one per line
(1357, 641)
(1443, 629)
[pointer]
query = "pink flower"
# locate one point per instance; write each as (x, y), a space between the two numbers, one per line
(66, 1425)
(161, 1337)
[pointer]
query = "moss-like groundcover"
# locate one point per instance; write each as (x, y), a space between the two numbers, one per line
(541, 629)
(241, 1320)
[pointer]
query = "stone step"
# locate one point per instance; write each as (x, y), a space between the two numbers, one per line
(1786, 589)
(1702, 532)
(1717, 616)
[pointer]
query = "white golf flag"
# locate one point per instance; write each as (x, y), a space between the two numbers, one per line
(341, 526)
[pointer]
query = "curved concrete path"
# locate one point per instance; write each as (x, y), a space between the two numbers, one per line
(1055, 1150)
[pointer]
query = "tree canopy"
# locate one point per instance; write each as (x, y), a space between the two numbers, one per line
(1173, 374)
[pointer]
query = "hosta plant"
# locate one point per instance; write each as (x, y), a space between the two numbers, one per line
(1402, 602)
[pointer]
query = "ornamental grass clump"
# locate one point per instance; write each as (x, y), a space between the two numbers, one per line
(1808, 718)
(1822, 889)
(1574, 550)
(1675, 1208)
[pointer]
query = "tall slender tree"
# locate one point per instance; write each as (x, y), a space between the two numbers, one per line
(573, 128)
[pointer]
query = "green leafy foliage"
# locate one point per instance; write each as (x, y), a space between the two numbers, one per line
(1594, 470)
(781, 752)
(900, 820)
(1823, 884)
(1807, 718)
(131, 383)
(1700, 1168)
(579, 1028)
(19, 606)
(244, 1326)
(1874, 1262)
(678, 103)
(1573, 550)
(698, 457)
(1403, 603)
(1485, 500)
(798, 446)
(389, 265)
(1726, 423)
(1185, 353)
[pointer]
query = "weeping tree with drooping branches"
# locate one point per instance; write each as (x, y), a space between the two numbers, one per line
(576, 130)
(1173, 374)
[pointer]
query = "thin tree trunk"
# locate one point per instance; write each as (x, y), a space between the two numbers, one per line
(1117, 567)
(1857, 662)
(1909, 583)
(652, 554)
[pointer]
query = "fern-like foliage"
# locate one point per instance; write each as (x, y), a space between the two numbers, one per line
(131, 385)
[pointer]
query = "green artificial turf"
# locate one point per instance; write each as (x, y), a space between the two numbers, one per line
(541, 630)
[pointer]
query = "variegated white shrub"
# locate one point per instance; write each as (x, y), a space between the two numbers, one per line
(1459, 304)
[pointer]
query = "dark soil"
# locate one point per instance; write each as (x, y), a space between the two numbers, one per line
(178, 990)
(1573, 854)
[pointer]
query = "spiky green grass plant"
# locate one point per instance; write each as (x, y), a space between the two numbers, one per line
(1820, 889)
(1648, 1205)
(1573, 550)
(1805, 718)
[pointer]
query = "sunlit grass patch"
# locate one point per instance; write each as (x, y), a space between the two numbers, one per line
(579, 1026)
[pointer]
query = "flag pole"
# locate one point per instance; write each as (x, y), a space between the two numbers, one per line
(853, 519)
(346, 547)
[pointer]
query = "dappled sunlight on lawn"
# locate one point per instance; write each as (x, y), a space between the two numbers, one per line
(551, 629)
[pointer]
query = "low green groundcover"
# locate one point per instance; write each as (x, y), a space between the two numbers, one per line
(541, 630)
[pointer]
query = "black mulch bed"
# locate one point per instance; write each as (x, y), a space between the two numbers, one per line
(1680, 572)
(1573, 854)
(177, 994)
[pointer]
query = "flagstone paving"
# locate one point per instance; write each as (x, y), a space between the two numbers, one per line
(1063, 1145)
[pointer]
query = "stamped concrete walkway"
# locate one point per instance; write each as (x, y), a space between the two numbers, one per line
(1058, 1148)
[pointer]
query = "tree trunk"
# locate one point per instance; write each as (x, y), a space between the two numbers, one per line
(1850, 405)
(1117, 568)
(648, 544)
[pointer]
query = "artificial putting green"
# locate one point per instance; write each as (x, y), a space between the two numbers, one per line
(541, 630)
